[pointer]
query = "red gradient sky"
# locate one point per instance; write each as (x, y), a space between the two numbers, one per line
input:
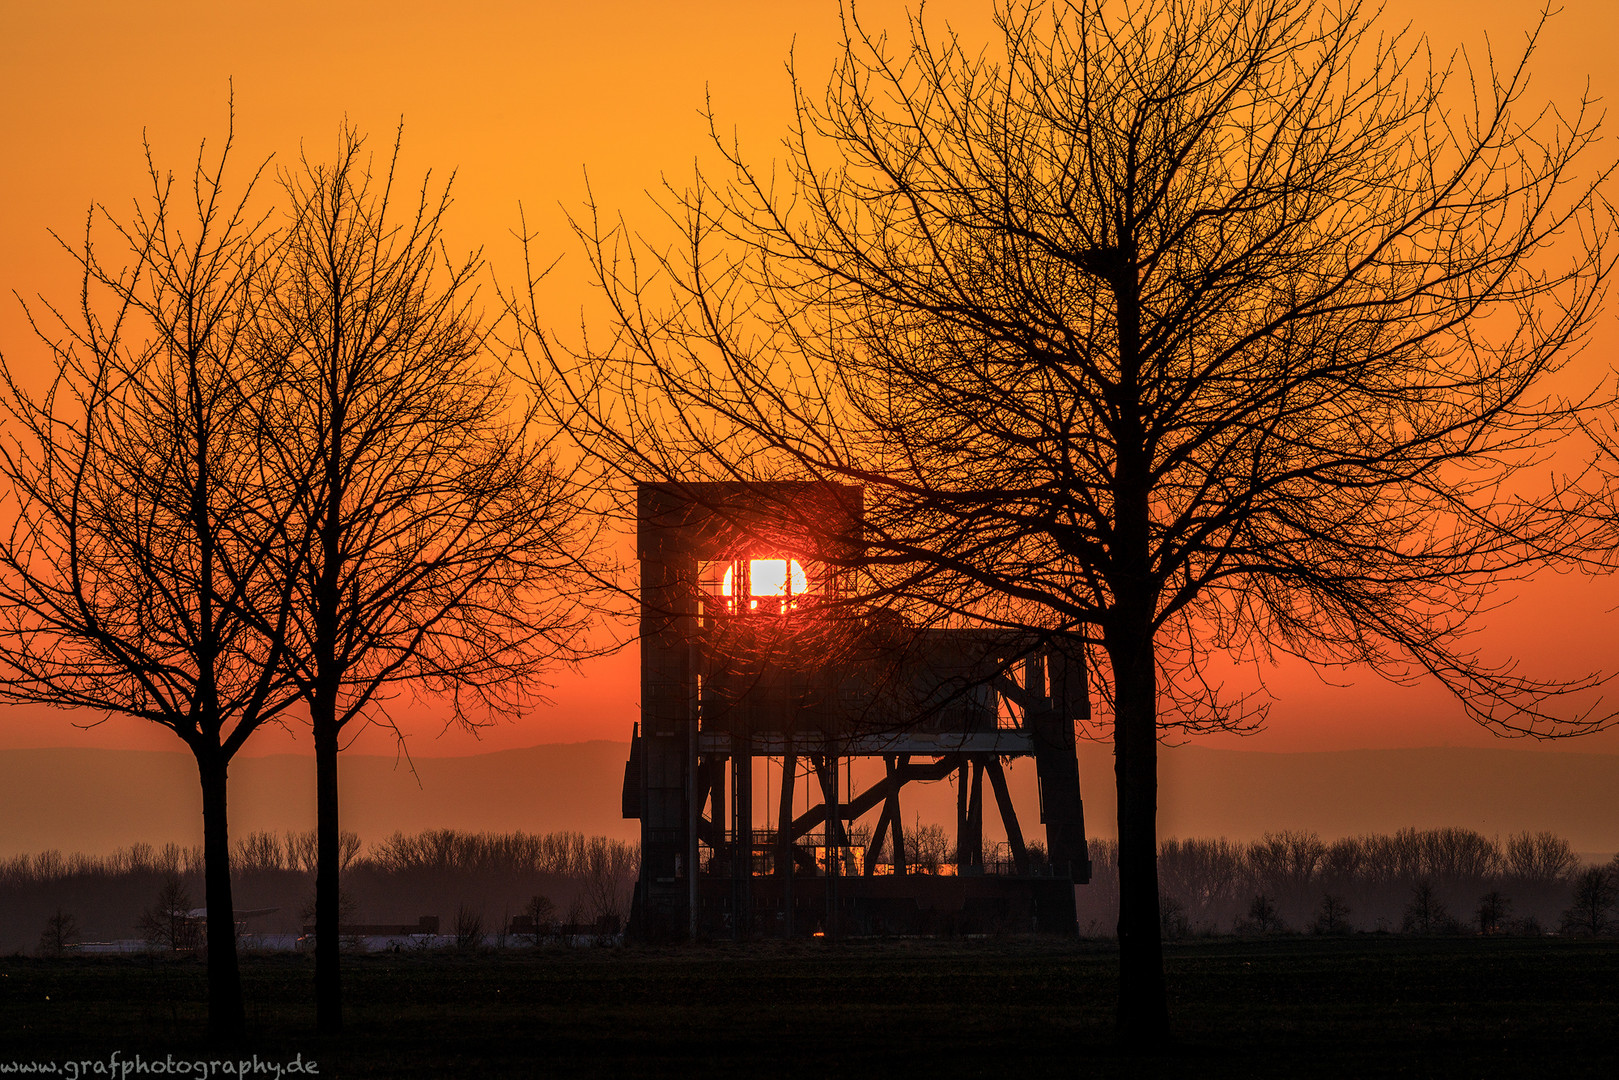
(519, 99)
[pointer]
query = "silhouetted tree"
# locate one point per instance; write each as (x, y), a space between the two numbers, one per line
(258, 852)
(1204, 874)
(1283, 865)
(61, 930)
(1426, 913)
(167, 924)
(137, 575)
(468, 928)
(429, 527)
(1539, 858)
(1457, 855)
(927, 848)
(1493, 908)
(1344, 860)
(1333, 915)
(1173, 922)
(1591, 910)
(542, 917)
(610, 870)
(1263, 917)
(1189, 326)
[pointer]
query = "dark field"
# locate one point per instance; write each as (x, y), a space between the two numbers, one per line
(1362, 1006)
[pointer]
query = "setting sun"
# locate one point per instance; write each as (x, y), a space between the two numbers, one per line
(768, 577)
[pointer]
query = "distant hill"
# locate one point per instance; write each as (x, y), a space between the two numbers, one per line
(97, 800)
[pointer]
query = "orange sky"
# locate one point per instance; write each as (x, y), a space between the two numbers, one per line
(520, 98)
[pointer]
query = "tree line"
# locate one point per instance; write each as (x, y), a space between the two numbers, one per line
(522, 888)
(457, 878)
(1423, 881)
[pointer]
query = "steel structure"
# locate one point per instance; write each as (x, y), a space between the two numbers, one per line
(748, 655)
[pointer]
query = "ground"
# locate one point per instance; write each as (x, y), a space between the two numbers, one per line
(1365, 1005)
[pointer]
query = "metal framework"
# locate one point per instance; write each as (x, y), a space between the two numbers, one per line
(748, 656)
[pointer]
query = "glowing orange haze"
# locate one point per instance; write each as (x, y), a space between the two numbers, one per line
(518, 98)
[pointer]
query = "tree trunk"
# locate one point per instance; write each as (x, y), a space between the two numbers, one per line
(227, 1019)
(1143, 1018)
(328, 903)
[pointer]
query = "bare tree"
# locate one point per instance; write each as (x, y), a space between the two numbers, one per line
(430, 527)
(1427, 914)
(1493, 908)
(1285, 864)
(468, 928)
(1263, 917)
(542, 918)
(1193, 327)
(927, 848)
(1454, 855)
(1332, 917)
(61, 931)
(1541, 858)
(1205, 875)
(167, 925)
(1591, 910)
(137, 577)
(609, 872)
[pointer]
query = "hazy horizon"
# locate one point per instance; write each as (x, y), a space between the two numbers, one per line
(95, 800)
